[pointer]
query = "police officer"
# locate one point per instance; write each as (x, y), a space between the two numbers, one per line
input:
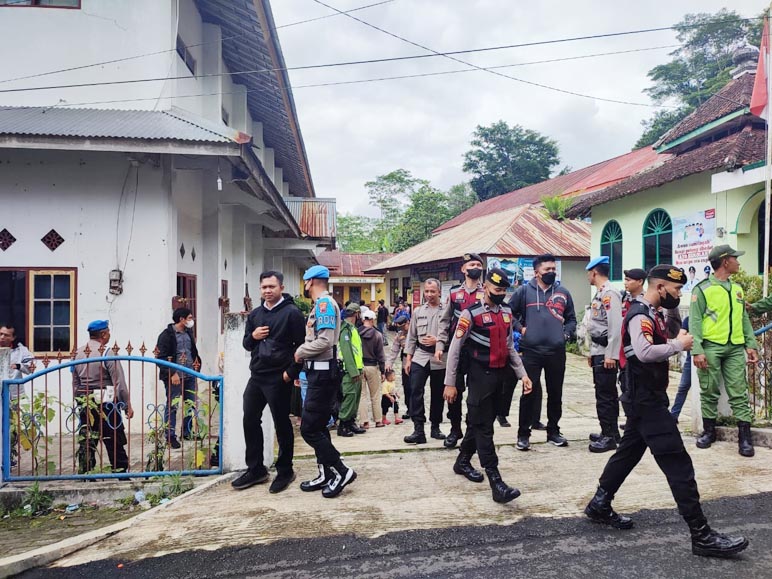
(649, 339)
(461, 297)
(633, 280)
(604, 331)
(486, 329)
(319, 357)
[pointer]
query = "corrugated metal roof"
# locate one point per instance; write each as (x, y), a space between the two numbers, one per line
(172, 125)
(315, 217)
(351, 264)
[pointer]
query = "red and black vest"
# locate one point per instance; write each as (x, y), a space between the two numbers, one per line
(488, 335)
(646, 382)
(462, 300)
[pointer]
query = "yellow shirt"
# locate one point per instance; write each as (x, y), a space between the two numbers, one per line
(389, 387)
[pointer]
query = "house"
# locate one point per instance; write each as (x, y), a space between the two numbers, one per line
(166, 168)
(348, 279)
(708, 190)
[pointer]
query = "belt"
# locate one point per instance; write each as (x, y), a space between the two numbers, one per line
(601, 341)
(429, 349)
(316, 365)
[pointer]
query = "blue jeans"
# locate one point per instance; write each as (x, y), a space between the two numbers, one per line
(683, 388)
(382, 330)
(188, 410)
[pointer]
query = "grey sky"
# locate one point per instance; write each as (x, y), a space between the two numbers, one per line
(356, 132)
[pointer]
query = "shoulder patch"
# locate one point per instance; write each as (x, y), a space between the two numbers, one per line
(607, 302)
(694, 297)
(324, 312)
(463, 327)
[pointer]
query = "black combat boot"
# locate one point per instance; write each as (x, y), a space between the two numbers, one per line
(436, 432)
(355, 428)
(708, 435)
(745, 440)
(454, 436)
(344, 430)
(599, 511)
(502, 492)
(464, 466)
(418, 436)
(708, 543)
(318, 483)
(342, 476)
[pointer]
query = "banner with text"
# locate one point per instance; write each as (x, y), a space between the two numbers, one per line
(693, 238)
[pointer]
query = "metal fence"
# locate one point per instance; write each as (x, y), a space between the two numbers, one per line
(52, 433)
(760, 376)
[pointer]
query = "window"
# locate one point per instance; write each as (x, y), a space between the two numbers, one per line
(40, 304)
(186, 56)
(611, 245)
(394, 289)
(657, 239)
(354, 293)
(186, 295)
(42, 4)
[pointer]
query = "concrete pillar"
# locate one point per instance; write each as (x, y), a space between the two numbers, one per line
(5, 373)
(235, 377)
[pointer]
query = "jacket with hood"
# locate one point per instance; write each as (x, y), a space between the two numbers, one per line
(287, 331)
(372, 348)
(548, 317)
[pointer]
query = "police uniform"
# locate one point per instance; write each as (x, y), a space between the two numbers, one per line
(627, 300)
(605, 332)
(461, 297)
(486, 331)
(648, 344)
(319, 355)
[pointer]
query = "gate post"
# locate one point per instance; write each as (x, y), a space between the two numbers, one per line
(235, 377)
(5, 373)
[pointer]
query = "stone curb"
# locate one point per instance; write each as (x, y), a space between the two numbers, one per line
(44, 555)
(760, 436)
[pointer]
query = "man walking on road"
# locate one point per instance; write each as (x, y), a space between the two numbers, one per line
(487, 329)
(424, 361)
(605, 333)
(544, 314)
(350, 351)
(319, 357)
(723, 336)
(273, 332)
(649, 339)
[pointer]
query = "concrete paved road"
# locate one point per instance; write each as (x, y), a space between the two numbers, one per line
(534, 547)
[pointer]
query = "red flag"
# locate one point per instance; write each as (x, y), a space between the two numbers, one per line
(760, 95)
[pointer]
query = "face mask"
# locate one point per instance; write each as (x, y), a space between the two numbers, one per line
(549, 277)
(669, 301)
(306, 293)
(474, 273)
(498, 299)
(189, 324)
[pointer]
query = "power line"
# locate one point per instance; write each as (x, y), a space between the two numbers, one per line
(333, 15)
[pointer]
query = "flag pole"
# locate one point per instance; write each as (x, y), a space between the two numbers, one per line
(768, 171)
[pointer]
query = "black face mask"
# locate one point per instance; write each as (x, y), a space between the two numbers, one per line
(498, 299)
(669, 301)
(306, 293)
(549, 277)
(474, 273)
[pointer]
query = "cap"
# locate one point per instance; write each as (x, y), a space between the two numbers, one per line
(368, 315)
(400, 319)
(98, 325)
(668, 273)
(498, 277)
(316, 272)
(636, 273)
(706, 269)
(723, 251)
(352, 309)
(597, 261)
(467, 257)
(692, 269)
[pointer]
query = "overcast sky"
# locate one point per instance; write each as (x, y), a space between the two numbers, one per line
(355, 132)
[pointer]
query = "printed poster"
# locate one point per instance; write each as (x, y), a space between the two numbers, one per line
(693, 238)
(520, 269)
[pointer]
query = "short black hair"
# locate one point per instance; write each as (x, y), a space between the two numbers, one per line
(716, 263)
(271, 273)
(382, 302)
(9, 326)
(361, 302)
(544, 257)
(180, 314)
(603, 269)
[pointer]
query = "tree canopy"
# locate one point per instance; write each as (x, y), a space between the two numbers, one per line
(504, 158)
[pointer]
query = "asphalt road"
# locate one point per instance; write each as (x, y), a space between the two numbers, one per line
(542, 548)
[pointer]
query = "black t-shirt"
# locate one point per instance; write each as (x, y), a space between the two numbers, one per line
(383, 314)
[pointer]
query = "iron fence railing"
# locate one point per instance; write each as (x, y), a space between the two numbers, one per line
(760, 376)
(49, 433)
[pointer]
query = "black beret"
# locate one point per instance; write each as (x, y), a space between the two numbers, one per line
(467, 257)
(636, 273)
(498, 277)
(668, 273)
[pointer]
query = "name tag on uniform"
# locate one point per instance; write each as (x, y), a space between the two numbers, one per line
(480, 295)
(459, 297)
(507, 318)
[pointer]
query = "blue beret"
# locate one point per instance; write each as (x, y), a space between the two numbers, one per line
(98, 325)
(316, 272)
(597, 261)
(400, 319)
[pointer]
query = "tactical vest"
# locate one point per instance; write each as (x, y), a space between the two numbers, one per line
(488, 335)
(462, 300)
(722, 321)
(645, 382)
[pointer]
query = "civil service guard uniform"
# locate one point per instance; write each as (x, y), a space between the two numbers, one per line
(648, 344)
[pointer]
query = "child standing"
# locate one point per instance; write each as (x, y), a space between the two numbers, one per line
(389, 398)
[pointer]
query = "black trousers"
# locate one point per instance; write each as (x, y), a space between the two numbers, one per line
(406, 387)
(270, 390)
(321, 397)
(482, 404)
(505, 400)
(454, 408)
(105, 422)
(386, 404)
(606, 397)
(554, 367)
(655, 429)
(418, 377)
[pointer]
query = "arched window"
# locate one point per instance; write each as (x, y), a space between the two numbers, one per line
(611, 245)
(657, 239)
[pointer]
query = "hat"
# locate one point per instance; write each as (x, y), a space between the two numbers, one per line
(636, 273)
(316, 272)
(597, 261)
(467, 257)
(98, 325)
(668, 273)
(351, 309)
(498, 277)
(721, 251)
(401, 319)
(368, 315)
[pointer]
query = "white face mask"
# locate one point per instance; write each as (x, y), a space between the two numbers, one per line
(189, 324)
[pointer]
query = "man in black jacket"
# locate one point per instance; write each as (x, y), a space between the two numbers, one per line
(178, 344)
(544, 315)
(273, 332)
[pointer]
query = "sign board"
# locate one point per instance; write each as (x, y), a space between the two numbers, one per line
(693, 238)
(520, 269)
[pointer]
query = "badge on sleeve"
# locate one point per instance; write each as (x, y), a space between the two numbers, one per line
(647, 328)
(325, 314)
(463, 327)
(607, 302)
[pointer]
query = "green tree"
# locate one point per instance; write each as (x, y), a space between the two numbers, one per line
(460, 198)
(355, 234)
(504, 158)
(659, 124)
(428, 210)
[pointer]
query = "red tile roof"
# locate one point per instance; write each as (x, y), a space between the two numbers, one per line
(583, 180)
(351, 264)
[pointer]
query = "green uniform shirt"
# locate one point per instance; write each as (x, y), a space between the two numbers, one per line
(717, 314)
(350, 349)
(762, 306)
